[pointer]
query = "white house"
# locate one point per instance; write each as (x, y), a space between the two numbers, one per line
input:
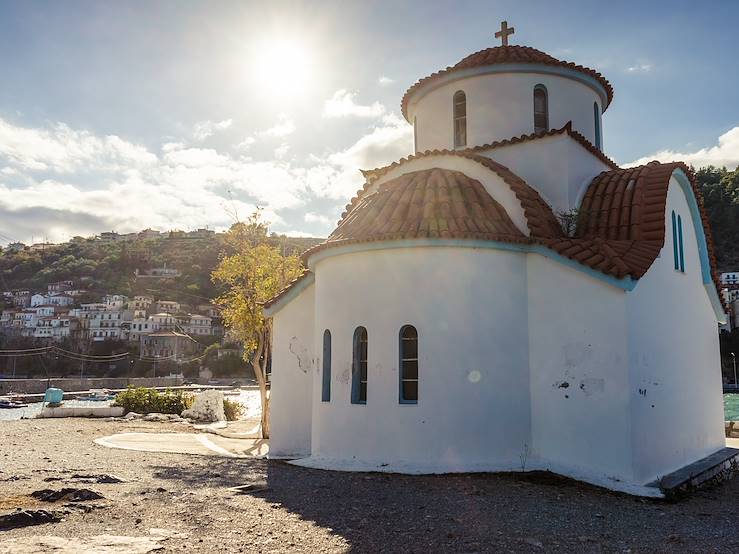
(452, 323)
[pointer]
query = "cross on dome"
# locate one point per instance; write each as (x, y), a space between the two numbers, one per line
(504, 32)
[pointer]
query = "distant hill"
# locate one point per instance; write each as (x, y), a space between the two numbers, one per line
(720, 189)
(110, 267)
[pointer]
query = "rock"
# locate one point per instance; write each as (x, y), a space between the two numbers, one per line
(208, 406)
(533, 542)
(111, 544)
(156, 417)
(24, 518)
(102, 478)
(132, 415)
(68, 494)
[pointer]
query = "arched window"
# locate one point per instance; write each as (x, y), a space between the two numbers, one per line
(460, 119)
(596, 118)
(326, 383)
(415, 134)
(408, 365)
(359, 366)
(541, 109)
(677, 243)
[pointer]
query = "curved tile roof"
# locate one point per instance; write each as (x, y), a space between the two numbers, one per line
(432, 203)
(539, 216)
(622, 218)
(507, 54)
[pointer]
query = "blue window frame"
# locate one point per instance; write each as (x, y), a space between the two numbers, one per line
(359, 366)
(677, 242)
(680, 241)
(596, 119)
(408, 350)
(326, 384)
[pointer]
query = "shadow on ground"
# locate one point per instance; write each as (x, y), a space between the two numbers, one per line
(477, 512)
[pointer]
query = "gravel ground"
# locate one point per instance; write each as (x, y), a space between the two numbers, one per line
(296, 509)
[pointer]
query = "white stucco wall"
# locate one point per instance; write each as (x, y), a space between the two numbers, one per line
(292, 377)
(469, 307)
(579, 373)
(558, 167)
(500, 106)
(676, 393)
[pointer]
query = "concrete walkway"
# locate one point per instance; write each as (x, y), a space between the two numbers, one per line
(188, 443)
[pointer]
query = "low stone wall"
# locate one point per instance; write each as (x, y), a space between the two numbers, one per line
(35, 386)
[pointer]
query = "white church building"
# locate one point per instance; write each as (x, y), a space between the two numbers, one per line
(453, 321)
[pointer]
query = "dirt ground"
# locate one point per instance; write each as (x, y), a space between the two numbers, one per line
(293, 509)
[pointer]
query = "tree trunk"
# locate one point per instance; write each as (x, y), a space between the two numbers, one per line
(259, 366)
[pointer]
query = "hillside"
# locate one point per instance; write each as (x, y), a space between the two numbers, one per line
(111, 267)
(720, 190)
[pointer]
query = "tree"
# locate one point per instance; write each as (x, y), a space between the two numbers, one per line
(253, 270)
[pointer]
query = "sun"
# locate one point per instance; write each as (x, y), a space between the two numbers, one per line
(282, 66)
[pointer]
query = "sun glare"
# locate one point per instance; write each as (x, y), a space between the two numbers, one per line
(282, 66)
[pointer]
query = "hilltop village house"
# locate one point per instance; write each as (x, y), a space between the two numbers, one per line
(453, 322)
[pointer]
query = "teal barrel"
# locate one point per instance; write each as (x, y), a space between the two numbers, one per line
(53, 396)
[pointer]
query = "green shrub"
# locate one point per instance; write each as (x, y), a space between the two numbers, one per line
(233, 410)
(145, 401)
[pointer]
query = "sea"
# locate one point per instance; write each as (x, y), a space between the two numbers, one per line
(249, 398)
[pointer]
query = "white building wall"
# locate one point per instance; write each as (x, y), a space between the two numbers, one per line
(579, 373)
(558, 167)
(500, 106)
(676, 392)
(469, 307)
(291, 380)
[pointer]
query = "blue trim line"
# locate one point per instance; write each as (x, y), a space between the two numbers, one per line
(700, 235)
(627, 283)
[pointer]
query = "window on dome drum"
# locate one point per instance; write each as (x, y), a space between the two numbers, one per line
(408, 365)
(415, 134)
(541, 109)
(596, 119)
(359, 366)
(326, 383)
(460, 119)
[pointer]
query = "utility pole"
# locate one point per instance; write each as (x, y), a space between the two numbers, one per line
(734, 358)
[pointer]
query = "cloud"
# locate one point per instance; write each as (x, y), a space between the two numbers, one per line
(66, 150)
(725, 153)
(311, 217)
(284, 126)
(246, 143)
(640, 68)
(342, 104)
(385, 81)
(204, 129)
(61, 182)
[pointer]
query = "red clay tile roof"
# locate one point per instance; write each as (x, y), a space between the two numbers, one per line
(305, 273)
(373, 174)
(432, 203)
(620, 233)
(622, 221)
(539, 216)
(507, 54)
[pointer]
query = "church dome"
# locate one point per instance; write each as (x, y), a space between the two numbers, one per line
(507, 55)
(502, 92)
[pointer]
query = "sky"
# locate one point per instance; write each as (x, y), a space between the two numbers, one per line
(178, 115)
